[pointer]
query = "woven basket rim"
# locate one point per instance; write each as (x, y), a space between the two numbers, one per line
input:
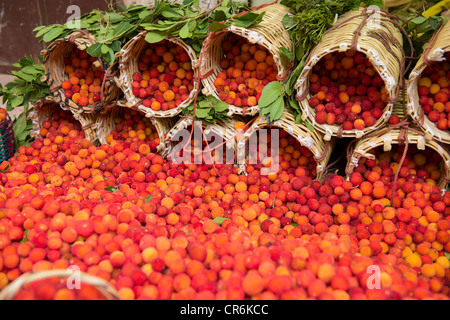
(103, 286)
(322, 49)
(255, 35)
(84, 41)
(124, 83)
(436, 53)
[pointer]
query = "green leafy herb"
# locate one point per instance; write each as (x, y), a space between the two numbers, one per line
(313, 17)
(208, 109)
(27, 87)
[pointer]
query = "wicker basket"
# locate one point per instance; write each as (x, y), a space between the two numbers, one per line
(224, 129)
(44, 109)
(312, 140)
(433, 53)
(396, 3)
(128, 64)
(382, 46)
(55, 73)
(270, 33)
(14, 287)
(105, 124)
(6, 139)
(386, 139)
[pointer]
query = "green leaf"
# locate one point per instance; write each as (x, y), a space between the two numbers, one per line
(288, 54)
(53, 34)
(217, 26)
(219, 220)
(112, 189)
(294, 104)
(122, 28)
(95, 50)
(104, 49)
(419, 20)
(276, 109)
(115, 17)
(220, 15)
(270, 93)
(201, 113)
(25, 237)
(184, 32)
(248, 20)
(44, 30)
(294, 224)
(309, 126)
(156, 36)
(149, 197)
(288, 22)
(16, 101)
(171, 13)
(116, 46)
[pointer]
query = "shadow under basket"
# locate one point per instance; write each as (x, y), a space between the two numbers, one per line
(269, 33)
(6, 139)
(44, 109)
(383, 47)
(55, 72)
(104, 288)
(313, 141)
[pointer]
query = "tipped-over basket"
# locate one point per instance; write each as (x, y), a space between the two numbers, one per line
(270, 33)
(368, 31)
(312, 140)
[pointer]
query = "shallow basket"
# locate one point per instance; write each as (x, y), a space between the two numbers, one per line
(44, 109)
(55, 74)
(383, 46)
(312, 140)
(224, 129)
(433, 53)
(129, 58)
(105, 124)
(363, 146)
(270, 33)
(6, 139)
(10, 291)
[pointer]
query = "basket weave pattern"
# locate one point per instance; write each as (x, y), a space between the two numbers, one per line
(129, 58)
(270, 33)
(312, 140)
(53, 58)
(433, 53)
(383, 46)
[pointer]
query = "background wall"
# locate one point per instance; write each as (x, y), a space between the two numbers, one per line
(18, 18)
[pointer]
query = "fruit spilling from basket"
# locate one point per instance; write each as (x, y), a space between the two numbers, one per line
(434, 93)
(134, 130)
(346, 90)
(246, 70)
(165, 76)
(85, 78)
(289, 157)
(158, 230)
